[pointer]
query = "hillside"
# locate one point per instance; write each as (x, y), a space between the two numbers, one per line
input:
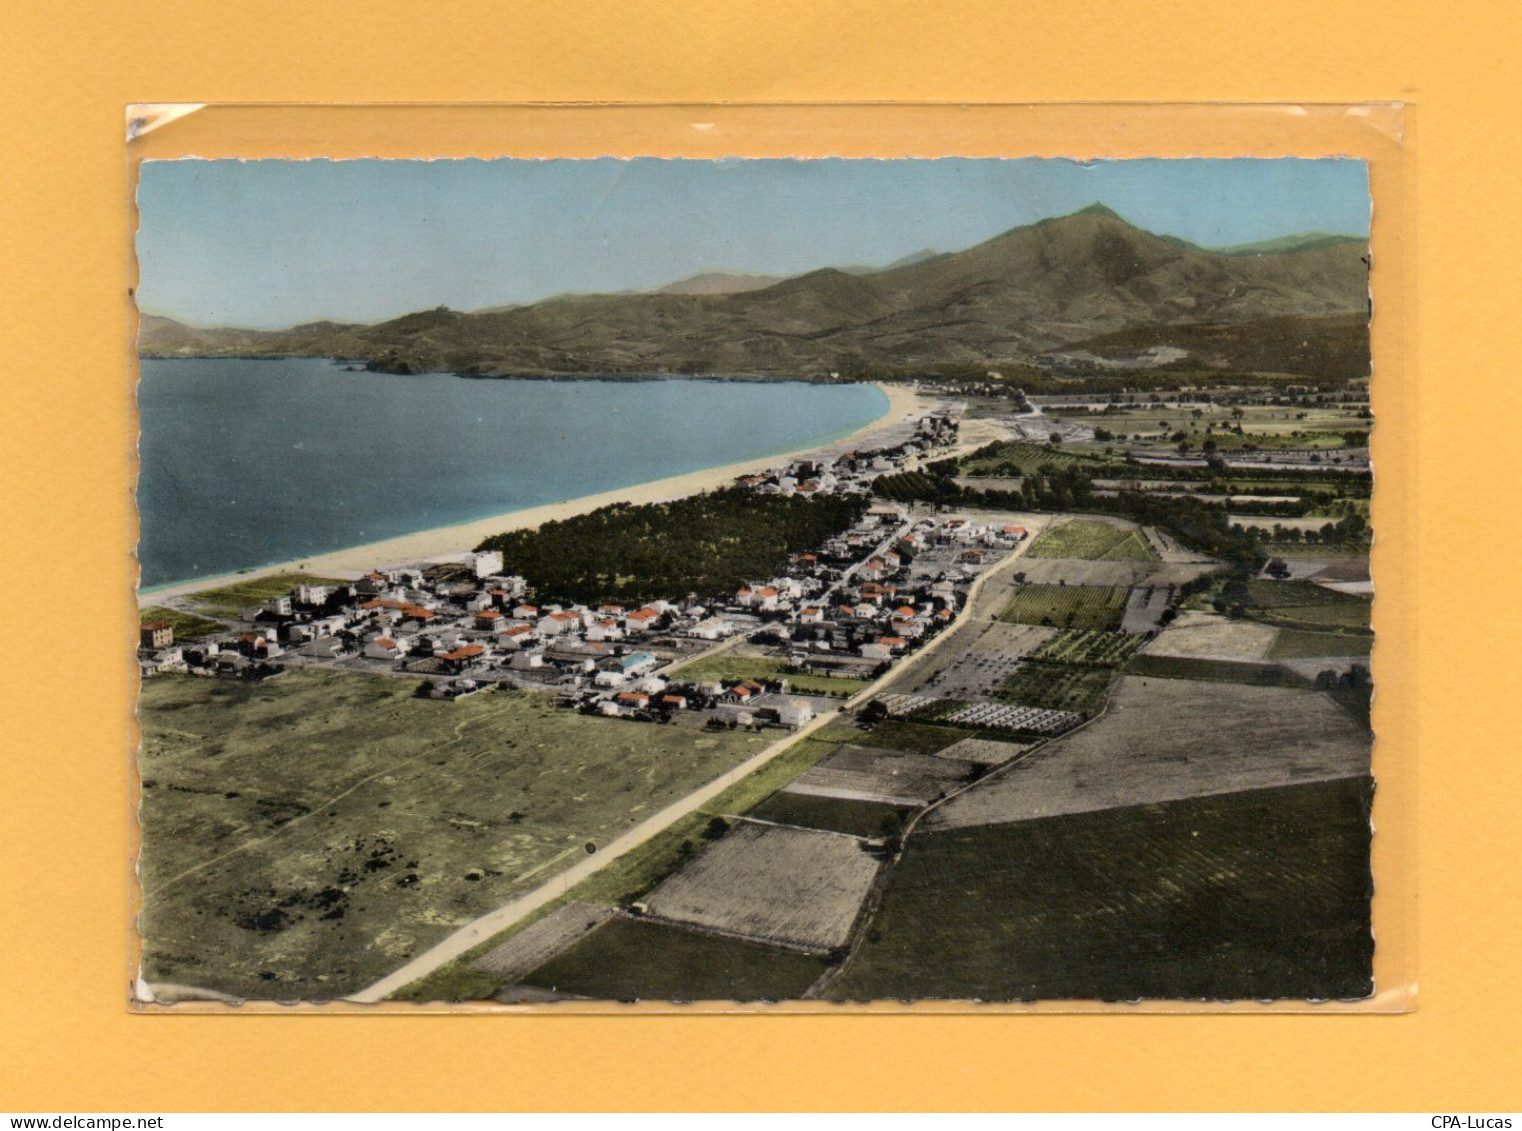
(718, 283)
(1040, 288)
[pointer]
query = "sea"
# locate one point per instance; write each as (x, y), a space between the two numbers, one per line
(246, 463)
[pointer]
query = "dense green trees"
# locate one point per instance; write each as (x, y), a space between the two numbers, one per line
(705, 545)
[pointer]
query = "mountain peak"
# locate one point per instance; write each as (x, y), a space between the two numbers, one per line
(1098, 209)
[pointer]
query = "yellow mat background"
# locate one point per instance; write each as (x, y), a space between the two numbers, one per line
(67, 1042)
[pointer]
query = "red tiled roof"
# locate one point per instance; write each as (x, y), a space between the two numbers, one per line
(469, 651)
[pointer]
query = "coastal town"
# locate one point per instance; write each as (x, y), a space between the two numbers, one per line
(1023, 607)
(838, 618)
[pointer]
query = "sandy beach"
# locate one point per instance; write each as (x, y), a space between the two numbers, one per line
(903, 405)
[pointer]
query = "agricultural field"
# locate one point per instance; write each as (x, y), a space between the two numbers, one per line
(1088, 539)
(305, 836)
(917, 738)
(1068, 606)
(794, 887)
(533, 946)
(1050, 571)
(1267, 426)
(1057, 687)
(1224, 671)
(1327, 565)
(1012, 639)
(984, 751)
(632, 960)
(1206, 636)
(833, 814)
(230, 600)
(751, 664)
(1295, 644)
(1089, 648)
(1246, 895)
(187, 626)
(1168, 739)
(1304, 605)
(889, 777)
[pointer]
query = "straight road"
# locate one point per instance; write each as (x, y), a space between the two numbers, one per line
(478, 931)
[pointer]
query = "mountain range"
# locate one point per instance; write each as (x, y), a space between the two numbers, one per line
(1080, 287)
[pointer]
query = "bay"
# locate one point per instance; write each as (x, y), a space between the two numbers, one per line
(244, 463)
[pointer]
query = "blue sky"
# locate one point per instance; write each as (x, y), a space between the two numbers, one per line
(273, 243)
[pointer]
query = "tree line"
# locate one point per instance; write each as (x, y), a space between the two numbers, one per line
(704, 545)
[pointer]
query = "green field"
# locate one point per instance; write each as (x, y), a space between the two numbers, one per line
(1295, 644)
(913, 738)
(1057, 687)
(730, 666)
(1090, 540)
(187, 626)
(230, 600)
(305, 836)
(837, 814)
(627, 960)
(1219, 671)
(1090, 648)
(1262, 894)
(1068, 606)
(1304, 605)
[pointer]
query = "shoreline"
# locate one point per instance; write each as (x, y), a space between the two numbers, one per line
(442, 541)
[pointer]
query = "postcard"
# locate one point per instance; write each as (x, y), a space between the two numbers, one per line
(755, 580)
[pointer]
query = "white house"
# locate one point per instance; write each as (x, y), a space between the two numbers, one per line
(485, 563)
(383, 648)
(556, 623)
(313, 594)
(713, 628)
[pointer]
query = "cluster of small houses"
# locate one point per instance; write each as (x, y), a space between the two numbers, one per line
(854, 472)
(850, 608)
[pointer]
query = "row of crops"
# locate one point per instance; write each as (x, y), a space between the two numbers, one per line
(1090, 648)
(1090, 540)
(1068, 606)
